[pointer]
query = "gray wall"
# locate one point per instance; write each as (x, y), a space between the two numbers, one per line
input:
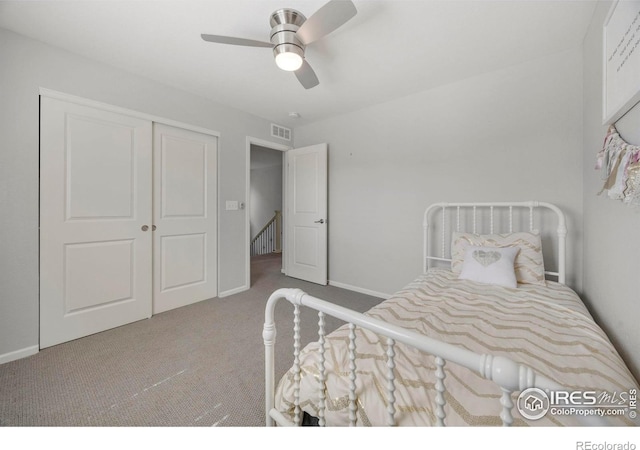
(28, 65)
(510, 135)
(611, 229)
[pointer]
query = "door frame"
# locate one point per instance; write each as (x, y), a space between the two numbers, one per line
(44, 92)
(272, 146)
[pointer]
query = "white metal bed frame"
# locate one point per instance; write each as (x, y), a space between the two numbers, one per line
(492, 208)
(507, 374)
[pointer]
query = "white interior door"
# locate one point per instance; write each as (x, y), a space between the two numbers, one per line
(95, 199)
(185, 217)
(306, 201)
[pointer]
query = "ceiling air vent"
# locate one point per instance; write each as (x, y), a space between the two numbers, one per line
(280, 132)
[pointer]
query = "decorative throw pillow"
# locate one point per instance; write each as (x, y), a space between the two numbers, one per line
(491, 265)
(529, 264)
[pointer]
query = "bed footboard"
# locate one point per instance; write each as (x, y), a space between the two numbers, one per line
(507, 374)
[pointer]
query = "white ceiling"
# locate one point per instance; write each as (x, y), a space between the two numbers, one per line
(390, 49)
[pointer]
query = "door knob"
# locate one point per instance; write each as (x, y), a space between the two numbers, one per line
(153, 228)
(144, 227)
(319, 221)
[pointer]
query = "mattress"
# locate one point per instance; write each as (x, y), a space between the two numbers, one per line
(547, 328)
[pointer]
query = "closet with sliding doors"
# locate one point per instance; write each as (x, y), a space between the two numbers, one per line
(128, 216)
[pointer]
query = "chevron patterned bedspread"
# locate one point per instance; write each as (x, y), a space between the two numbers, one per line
(547, 328)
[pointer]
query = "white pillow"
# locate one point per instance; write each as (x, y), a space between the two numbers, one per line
(491, 265)
(529, 264)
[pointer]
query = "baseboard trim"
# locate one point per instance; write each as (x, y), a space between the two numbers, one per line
(19, 354)
(359, 289)
(233, 291)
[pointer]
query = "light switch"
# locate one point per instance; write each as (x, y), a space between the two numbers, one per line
(232, 205)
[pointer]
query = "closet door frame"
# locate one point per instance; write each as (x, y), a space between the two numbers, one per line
(129, 112)
(48, 93)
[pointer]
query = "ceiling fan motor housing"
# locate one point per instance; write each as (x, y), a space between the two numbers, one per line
(291, 32)
(284, 25)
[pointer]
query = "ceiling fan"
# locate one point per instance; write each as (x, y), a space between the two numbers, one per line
(291, 32)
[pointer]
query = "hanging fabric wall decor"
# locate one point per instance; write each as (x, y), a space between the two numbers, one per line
(621, 164)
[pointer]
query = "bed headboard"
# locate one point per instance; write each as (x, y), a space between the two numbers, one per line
(442, 219)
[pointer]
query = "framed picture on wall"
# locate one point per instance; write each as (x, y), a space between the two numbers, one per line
(621, 60)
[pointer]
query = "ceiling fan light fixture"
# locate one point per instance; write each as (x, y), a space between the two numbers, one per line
(289, 61)
(289, 57)
(291, 32)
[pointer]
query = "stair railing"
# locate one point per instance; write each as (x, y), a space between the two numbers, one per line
(269, 239)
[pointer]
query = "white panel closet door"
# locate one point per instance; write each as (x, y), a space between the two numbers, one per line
(185, 217)
(95, 199)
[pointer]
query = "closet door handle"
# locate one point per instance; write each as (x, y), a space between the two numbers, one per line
(144, 227)
(153, 228)
(319, 221)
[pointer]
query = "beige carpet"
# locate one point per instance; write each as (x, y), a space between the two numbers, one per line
(200, 365)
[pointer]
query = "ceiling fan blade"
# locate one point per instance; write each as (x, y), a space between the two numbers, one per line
(325, 20)
(306, 76)
(235, 41)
